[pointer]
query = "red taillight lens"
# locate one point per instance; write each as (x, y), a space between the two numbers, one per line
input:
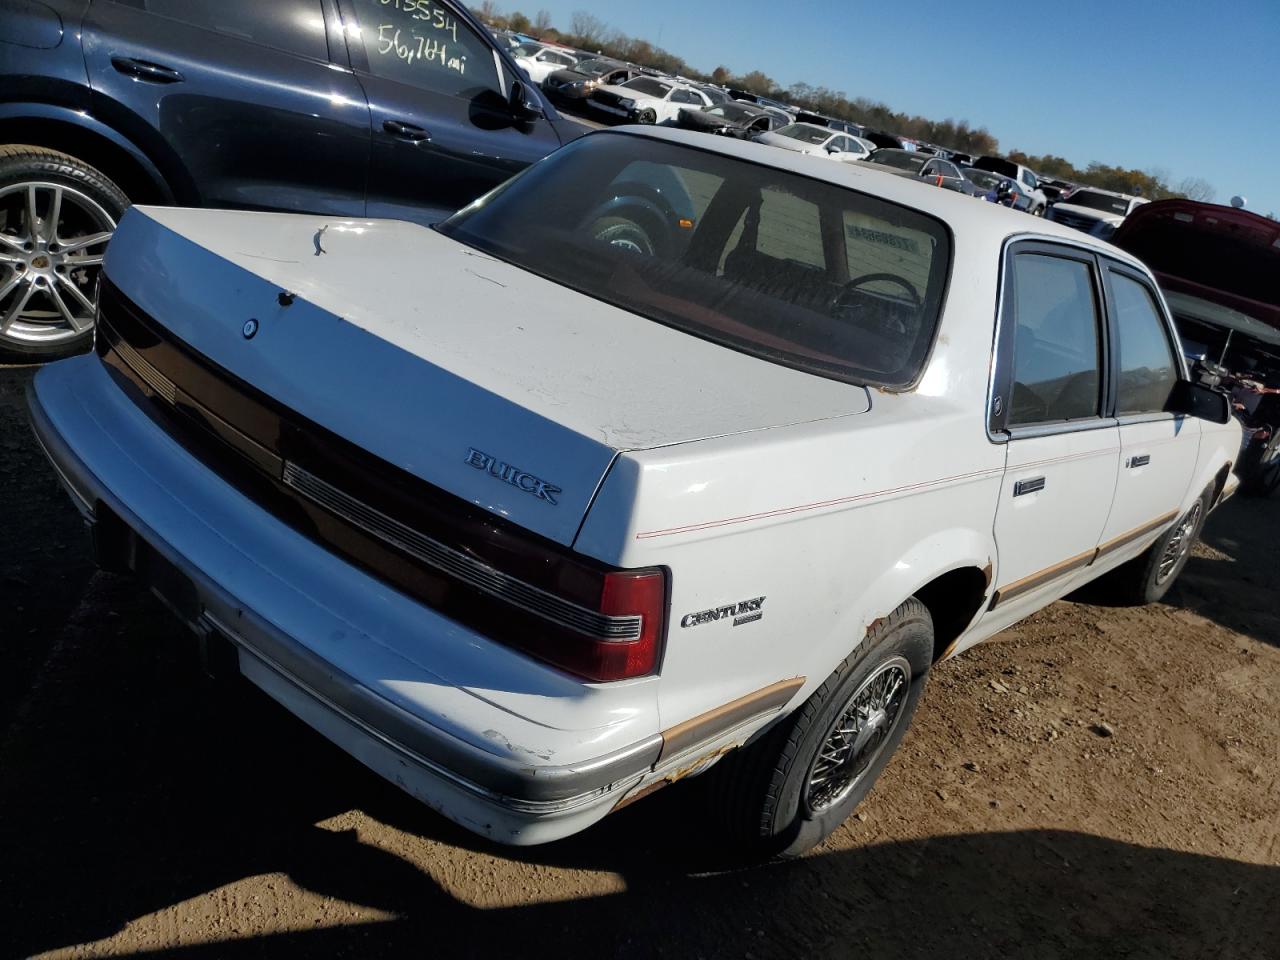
(631, 604)
(604, 624)
(631, 593)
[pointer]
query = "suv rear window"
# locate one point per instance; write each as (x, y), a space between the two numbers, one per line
(796, 271)
(294, 28)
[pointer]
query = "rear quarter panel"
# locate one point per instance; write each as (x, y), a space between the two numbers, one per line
(835, 523)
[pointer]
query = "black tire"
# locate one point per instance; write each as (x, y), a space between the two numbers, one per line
(647, 116)
(1261, 474)
(1143, 579)
(759, 792)
(92, 196)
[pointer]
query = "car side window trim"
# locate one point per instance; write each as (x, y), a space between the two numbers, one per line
(1172, 340)
(336, 36)
(1000, 392)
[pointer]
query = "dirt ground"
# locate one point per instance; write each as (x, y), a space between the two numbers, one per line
(144, 808)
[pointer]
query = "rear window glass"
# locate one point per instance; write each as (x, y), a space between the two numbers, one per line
(899, 159)
(294, 28)
(648, 86)
(790, 269)
(805, 133)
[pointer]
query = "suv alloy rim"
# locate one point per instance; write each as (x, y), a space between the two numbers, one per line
(858, 736)
(52, 240)
(1179, 544)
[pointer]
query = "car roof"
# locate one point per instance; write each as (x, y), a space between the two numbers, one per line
(968, 217)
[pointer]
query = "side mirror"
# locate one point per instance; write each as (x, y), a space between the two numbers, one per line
(524, 107)
(1197, 400)
(834, 151)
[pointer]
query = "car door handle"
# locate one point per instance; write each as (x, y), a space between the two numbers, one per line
(1031, 485)
(144, 70)
(405, 131)
(1141, 460)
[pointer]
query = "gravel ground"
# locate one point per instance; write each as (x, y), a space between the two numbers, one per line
(1095, 782)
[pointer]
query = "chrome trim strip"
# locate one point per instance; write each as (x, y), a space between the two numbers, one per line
(1137, 533)
(457, 564)
(1064, 426)
(692, 734)
(1042, 577)
(515, 785)
(534, 807)
(156, 380)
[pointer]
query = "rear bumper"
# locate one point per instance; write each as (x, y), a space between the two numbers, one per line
(336, 663)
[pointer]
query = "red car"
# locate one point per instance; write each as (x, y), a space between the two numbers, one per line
(1218, 267)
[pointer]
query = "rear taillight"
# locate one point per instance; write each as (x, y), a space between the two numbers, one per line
(613, 631)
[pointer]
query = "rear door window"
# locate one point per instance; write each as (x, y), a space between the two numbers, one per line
(1057, 363)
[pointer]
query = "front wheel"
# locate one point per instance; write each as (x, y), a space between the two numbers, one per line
(648, 116)
(1148, 577)
(56, 216)
(790, 789)
(1261, 478)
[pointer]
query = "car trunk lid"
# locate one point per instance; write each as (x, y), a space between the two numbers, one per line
(489, 382)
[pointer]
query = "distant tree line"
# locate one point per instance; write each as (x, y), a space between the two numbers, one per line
(588, 32)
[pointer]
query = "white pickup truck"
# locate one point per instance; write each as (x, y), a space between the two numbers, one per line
(565, 500)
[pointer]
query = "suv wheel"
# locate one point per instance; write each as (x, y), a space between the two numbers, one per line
(789, 789)
(56, 216)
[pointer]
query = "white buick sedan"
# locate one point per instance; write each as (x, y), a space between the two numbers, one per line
(671, 452)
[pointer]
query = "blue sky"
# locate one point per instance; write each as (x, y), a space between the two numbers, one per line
(1190, 88)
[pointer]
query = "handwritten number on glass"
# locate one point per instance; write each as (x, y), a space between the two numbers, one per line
(411, 46)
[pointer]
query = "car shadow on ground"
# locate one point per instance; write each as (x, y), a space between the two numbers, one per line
(132, 783)
(1234, 582)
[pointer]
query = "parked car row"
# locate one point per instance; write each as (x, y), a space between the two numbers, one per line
(626, 93)
(410, 112)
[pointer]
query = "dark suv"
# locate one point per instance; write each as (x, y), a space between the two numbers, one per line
(346, 108)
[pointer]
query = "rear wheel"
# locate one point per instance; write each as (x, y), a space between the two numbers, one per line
(791, 788)
(56, 216)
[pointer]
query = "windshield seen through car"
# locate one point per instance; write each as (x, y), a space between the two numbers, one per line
(790, 269)
(805, 133)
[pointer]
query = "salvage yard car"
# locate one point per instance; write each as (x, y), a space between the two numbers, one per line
(649, 100)
(237, 103)
(809, 138)
(532, 520)
(1094, 211)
